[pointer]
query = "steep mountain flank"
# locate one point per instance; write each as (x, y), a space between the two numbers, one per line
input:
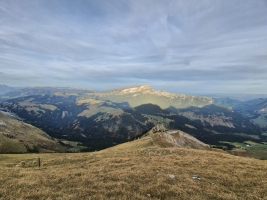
(19, 137)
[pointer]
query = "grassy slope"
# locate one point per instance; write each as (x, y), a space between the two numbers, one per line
(19, 137)
(135, 170)
(255, 150)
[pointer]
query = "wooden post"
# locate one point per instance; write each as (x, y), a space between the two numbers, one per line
(39, 162)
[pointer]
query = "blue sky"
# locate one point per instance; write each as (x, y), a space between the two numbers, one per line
(191, 46)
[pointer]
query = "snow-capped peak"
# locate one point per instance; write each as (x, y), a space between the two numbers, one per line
(138, 89)
(146, 89)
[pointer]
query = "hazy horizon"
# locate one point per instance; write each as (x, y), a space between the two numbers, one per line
(192, 47)
(237, 96)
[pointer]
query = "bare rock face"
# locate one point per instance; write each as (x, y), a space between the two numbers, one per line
(163, 137)
(159, 128)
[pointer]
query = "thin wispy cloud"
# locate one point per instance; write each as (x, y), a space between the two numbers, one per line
(188, 46)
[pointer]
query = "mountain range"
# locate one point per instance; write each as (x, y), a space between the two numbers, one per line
(102, 119)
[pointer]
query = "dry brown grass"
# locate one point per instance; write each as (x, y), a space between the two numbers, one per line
(136, 170)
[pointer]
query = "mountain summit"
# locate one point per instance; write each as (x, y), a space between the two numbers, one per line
(163, 137)
(137, 89)
(146, 89)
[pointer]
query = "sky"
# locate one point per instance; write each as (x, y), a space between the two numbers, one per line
(189, 46)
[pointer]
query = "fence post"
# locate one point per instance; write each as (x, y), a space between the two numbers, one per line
(39, 162)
